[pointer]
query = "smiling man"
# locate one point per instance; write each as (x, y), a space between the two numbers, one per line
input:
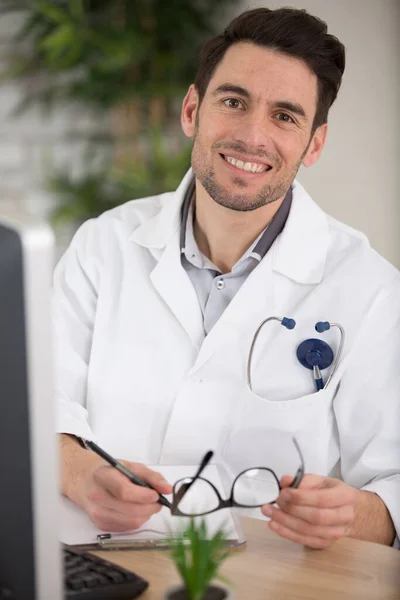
(253, 126)
(157, 302)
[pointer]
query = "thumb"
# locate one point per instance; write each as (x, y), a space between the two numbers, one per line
(286, 480)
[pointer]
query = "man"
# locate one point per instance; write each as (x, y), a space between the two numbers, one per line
(157, 302)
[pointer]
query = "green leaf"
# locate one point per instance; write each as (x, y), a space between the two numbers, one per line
(51, 12)
(57, 40)
(77, 9)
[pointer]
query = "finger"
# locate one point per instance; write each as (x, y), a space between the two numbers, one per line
(143, 511)
(121, 488)
(153, 478)
(108, 520)
(331, 496)
(305, 540)
(105, 500)
(286, 481)
(333, 532)
(309, 480)
(341, 515)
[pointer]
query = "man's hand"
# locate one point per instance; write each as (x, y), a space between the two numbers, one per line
(316, 514)
(323, 510)
(112, 502)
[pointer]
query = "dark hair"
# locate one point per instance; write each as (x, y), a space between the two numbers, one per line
(290, 31)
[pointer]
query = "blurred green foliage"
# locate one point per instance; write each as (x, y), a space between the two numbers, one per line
(104, 54)
(104, 188)
(113, 50)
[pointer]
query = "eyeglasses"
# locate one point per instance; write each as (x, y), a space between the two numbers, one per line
(252, 488)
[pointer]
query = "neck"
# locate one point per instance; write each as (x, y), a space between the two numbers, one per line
(224, 235)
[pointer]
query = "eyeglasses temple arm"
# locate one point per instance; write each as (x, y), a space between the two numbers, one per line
(300, 472)
(203, 464)
(185, 487)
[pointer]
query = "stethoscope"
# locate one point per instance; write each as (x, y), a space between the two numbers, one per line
(313, 354)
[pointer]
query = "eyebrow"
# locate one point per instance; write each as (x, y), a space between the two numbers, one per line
(293, 107)
(231, 88)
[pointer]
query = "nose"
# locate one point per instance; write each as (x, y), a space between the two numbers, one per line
(255, 131)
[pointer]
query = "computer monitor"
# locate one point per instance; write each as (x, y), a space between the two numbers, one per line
(30, 554)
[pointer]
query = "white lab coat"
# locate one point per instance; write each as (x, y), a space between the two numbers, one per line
(135, 372)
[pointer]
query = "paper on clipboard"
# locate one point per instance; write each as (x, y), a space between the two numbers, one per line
(78, 530)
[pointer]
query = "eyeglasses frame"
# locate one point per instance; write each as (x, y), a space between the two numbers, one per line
(229, 502)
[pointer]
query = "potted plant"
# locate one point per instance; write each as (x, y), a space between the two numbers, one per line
(198, 558)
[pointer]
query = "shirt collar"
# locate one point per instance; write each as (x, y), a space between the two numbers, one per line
(299, 252)
(258, 248)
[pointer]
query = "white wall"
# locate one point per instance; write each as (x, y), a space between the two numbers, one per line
(355, 179)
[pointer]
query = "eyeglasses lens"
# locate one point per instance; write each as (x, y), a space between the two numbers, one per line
(256, 487)
(199, 499)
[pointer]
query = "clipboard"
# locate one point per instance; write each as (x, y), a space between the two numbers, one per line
(78, 531)
(108, 541)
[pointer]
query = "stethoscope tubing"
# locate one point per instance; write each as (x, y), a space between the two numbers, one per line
(338, 354)
(250, 357)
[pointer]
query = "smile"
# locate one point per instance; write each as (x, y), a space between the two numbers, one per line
(250, 167)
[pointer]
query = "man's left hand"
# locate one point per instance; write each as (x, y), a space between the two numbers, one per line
(316, 514)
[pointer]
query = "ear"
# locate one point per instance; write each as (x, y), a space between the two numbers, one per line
(316, 146)
(190, 106)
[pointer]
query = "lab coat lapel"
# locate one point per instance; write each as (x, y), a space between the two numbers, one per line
(174, 286)
(300, 251)
(253, 302)
(160, 235)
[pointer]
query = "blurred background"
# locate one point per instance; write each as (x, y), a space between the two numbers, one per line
(91, 92)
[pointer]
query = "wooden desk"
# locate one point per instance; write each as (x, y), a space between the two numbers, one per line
(268, 567)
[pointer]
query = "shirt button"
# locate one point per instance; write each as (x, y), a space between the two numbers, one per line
(220, 284)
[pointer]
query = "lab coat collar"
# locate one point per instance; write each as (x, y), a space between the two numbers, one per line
(298, 253)
(157, 231)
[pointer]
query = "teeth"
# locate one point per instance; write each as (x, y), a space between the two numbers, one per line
(250, 167)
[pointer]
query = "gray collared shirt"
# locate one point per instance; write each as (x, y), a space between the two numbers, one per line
(214, 289)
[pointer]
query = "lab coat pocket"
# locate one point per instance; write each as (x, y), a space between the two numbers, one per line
(309, 419)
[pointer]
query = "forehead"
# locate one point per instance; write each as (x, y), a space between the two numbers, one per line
(267, 74)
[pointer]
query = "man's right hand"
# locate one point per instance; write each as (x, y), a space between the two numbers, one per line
(112, 502)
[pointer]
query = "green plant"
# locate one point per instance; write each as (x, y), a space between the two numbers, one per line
(198, 557)
(127, 61)
(102, 188)
(110, 50)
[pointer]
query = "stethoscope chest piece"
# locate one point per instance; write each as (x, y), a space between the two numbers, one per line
(315, 353)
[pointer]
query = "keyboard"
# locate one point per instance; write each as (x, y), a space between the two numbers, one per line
(88, 577)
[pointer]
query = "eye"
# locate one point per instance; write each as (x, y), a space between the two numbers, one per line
(232, 103)
(285, 118)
